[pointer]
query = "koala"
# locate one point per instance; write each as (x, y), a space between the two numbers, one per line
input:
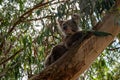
(68, 28)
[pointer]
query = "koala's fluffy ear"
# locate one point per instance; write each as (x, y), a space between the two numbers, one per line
(76, 18)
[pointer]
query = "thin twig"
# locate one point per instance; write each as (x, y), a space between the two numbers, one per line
(114, 49)
(35, 19)
(11, 56)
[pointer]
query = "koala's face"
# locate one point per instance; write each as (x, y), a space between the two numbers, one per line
(69, 27)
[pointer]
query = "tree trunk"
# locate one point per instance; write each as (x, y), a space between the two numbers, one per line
(81, 56)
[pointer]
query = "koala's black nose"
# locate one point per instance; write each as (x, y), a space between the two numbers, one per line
(64, 27)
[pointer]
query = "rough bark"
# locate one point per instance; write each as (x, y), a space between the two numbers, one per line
(81, 55)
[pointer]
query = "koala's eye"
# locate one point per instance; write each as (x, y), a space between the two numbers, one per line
(64, 27)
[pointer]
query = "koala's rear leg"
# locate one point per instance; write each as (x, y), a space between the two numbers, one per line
(55, 54)
(58, 51)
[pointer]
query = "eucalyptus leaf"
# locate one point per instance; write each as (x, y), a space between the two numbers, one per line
(100, 33)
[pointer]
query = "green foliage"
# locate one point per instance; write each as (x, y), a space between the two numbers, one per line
(28, 32)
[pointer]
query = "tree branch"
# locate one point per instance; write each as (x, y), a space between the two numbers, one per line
(80, 56)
